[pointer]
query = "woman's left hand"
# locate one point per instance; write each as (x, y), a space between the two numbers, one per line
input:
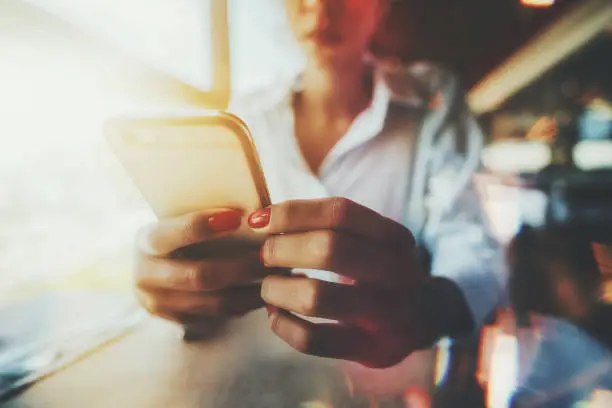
(380, 314)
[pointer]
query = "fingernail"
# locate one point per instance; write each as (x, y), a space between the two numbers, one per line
(265, 290)
(262, 254)
(271, 309)
(225, 221)
(259, 218)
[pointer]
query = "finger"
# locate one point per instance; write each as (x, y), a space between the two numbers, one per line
(230, 246)
(166, 236)
(190, 308)
(330, 213)
(198, 275)
(314, 298)
(323, 340)
(344, 254)
(331, 340)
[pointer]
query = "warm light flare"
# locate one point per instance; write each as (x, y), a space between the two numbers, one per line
(537, 3)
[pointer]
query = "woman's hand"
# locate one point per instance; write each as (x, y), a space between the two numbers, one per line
(383, 315)
(183, 275)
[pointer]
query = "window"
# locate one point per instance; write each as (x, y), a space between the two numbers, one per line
(65, 203)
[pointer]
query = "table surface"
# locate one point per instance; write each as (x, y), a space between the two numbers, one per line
(248, 366)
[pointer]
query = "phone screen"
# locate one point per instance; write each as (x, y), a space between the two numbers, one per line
(175, 37)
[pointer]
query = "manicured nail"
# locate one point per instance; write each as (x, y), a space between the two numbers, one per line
(259, 218)
(225, 221)
(262, 255)
(271, 309)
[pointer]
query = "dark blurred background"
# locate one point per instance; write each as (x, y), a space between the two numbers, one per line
(471, 36)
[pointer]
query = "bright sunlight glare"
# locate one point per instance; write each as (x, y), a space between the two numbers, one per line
(65, 202)
(170, 34)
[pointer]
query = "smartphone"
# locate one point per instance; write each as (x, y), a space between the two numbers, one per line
(191, 163)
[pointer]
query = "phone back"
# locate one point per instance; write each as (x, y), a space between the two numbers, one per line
(187, 164)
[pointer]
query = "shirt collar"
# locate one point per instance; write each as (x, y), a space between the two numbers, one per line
(394, 82)
(371, 120)
(366, 126)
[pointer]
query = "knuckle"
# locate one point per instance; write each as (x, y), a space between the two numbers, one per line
(309, 298)
(193, 227)
(218, 306)
(303, 340)
(300, 338)
(284, 213)
(190, 226)
(156, 306)
(143, 271)
(339, 208)
(269, 251)
(322, 248)
(196, 277)
(274, 322)
(205, 278)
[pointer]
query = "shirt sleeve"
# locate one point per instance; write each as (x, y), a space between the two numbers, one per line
(456, 230)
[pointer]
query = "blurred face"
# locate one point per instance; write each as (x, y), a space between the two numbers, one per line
(335, 26)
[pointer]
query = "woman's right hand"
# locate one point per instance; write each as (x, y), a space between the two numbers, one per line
(177, 280)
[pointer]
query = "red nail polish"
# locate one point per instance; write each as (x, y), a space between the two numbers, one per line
(259, 218)
(225, 221)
